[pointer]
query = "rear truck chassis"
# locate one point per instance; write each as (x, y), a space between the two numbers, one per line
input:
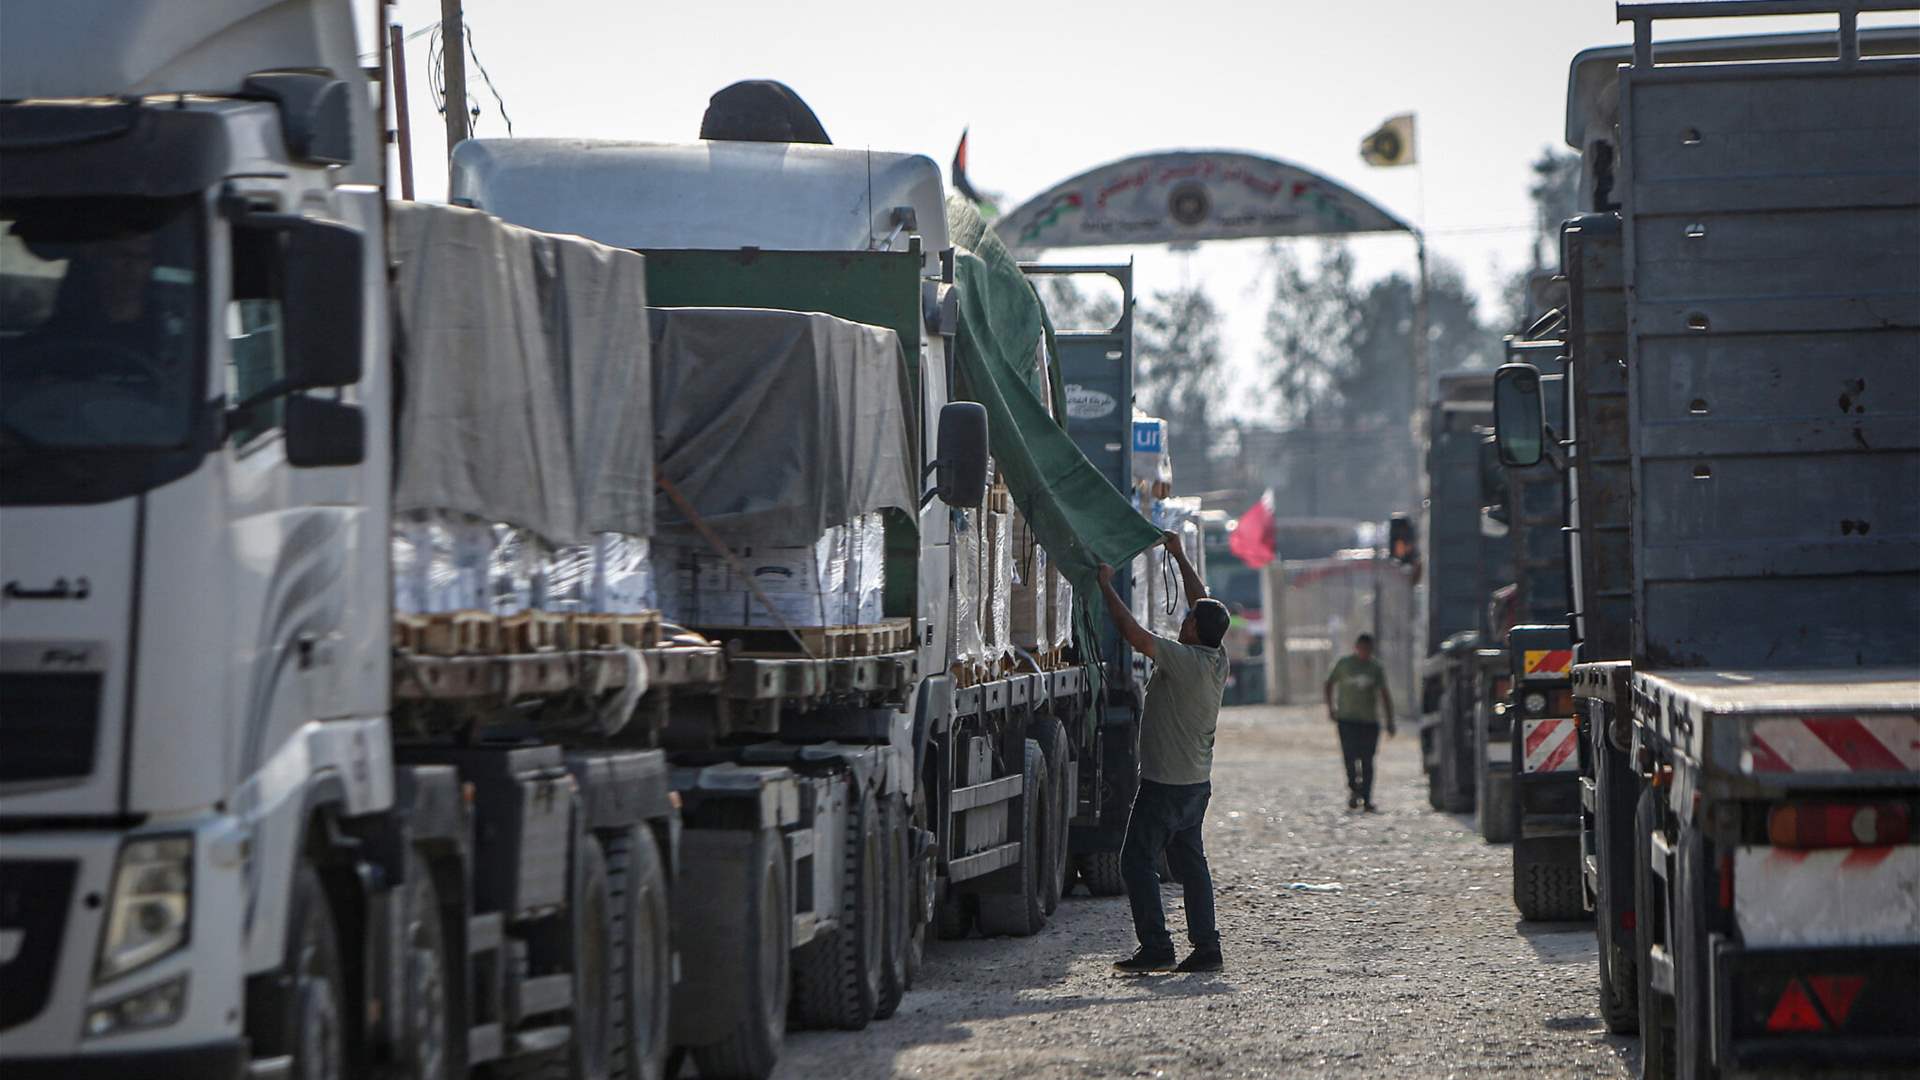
(1544, 747)
(1833, 979)
(1493, 757)
(1447, 743)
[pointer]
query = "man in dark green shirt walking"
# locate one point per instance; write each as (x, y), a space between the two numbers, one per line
(1176, 766)
(1354, 686)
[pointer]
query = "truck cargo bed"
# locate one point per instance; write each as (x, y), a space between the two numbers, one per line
(1855, 727)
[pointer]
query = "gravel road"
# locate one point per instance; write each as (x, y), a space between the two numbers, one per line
(1416, 966)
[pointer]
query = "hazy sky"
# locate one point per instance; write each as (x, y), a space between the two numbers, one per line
(1050, 89)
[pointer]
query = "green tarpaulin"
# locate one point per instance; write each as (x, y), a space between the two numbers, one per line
(1075, 512)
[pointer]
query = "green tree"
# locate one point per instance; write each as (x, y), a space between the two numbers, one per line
(1313, 318)
(1179, 362)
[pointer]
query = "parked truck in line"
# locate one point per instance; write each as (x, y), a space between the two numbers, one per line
(256, 824)
(1529, 759)
(1744, 323)
(1465, 558)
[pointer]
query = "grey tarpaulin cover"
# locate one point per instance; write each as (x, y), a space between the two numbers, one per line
(527, 385)
(776, 425)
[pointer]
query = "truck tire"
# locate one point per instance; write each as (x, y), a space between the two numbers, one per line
(1435, 798)
(1053, 742)
(308, 1023)
(642, 959)
(1693, 1011)
(752, 1049)
(897, 903)
(1020, 913)
(1101, 871)
(430, 1050)
(591, 1050)
(836, 976)
(924, 883)
(1619, 991)
(1548, 891)
(1656, 1009)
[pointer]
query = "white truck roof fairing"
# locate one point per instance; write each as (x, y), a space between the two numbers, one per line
(138, 48)
(1593, 84)
(711, 195)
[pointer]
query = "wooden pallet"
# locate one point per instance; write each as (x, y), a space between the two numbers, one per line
(533, 632)
(821, 642)
(639, 630)
(454, 633)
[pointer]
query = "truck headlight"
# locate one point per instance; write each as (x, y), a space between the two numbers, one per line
(152, 901)
(1535, 703)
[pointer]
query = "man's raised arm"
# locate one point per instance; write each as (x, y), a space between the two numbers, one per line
(1135, 634)
(1189, 577)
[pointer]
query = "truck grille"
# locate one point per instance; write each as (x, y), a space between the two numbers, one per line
(49, 724)
(33, 912)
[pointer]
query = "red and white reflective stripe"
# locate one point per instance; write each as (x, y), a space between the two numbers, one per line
(1551, 744)
(1827, 896)
(1884, 743)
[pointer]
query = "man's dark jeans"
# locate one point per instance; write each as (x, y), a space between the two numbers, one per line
(1167, 817)
(1358, 740)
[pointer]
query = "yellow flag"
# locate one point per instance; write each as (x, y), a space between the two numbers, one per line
(1391, 143)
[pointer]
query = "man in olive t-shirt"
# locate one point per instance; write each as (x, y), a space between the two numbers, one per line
(1176, 766)
(1353, 686)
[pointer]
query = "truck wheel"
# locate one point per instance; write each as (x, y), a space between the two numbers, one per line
(1656, 1008)
(1101, 871)
(592, 1050)
(1693, 1015)
(1547, 891)
(642, 976)
(1021, 913)
(750, 1051)
(837, 975)
(1053, 742)
(431, 1051)
(1619, 992)
(1435, 797)
(311, 1024)
(1494, 806)
(898, 905)
(920, 846)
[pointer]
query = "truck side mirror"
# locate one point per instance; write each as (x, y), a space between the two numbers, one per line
(322, 433)
(325, 293)
(960, 469)
(1518, 420)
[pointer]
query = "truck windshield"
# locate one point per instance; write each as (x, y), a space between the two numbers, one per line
(100, 322)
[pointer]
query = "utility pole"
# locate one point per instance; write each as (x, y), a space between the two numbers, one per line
(453, 54)
(1422, 335)
(397, 67)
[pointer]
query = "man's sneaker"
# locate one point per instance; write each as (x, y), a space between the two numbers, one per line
(1201, 960)
(1142, 962)
(1353, 802)
(1372, 809)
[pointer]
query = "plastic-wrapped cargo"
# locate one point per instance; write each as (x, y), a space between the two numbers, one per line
(1060, 608)
(969, 581)
(524, 471)
(529, 377)
(999, 628)
(838, 580)
(1031, 585)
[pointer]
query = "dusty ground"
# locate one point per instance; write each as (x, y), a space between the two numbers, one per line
(1417, 967)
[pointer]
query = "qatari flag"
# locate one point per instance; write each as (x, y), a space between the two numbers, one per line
(1253, 539)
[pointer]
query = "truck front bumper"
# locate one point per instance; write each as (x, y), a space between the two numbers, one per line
(225, 1059)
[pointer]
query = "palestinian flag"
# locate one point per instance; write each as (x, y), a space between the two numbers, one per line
(981, 203)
